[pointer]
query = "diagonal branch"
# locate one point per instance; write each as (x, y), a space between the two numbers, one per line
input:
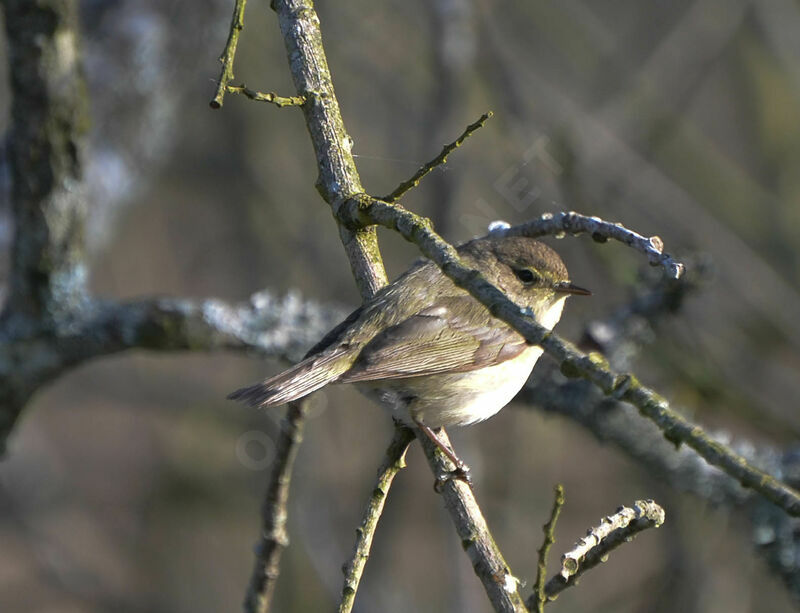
(338, 177)
(614, 531)
(274, 538)
(574, 363)
(440, 159)
(500, 585)
(394, 461)
(228, 54)
(537, 600)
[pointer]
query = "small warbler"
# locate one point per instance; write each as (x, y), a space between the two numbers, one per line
(427, 350)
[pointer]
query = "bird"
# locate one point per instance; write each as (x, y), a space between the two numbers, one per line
(427, 350)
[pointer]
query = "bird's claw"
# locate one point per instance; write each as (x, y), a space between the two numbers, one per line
(461, 473)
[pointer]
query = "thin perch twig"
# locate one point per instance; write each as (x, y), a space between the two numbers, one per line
(226, 74)
(500, 585)
(394, 461)
(437, 161)
(537, 601)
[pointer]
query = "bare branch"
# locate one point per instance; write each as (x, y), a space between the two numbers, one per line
(594, 548)
(575, 224)
(537, 601)
(273, 536)
(281, 327)
(592, 366)
(440, 159)
(226, 75)
(338, 177)
(267, 325)
(394, 461)
(501, 586)
(45, 155)
(279, 101)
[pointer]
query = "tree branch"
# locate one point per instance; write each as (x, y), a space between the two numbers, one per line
(338, 177)
(266, 325)
(272, 98)
(271, 326)
(574, 363)
(500, 585)
(274, 538)
(228, 54)
(46, 142)
(394, 461)
(537, 601)
(439, 160)
(613, 531)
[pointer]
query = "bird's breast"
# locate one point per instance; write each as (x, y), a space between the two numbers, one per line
(454, 399)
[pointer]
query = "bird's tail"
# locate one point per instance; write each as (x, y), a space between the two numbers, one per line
(300, 380)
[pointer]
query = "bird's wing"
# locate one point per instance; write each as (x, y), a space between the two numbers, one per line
(450, 336)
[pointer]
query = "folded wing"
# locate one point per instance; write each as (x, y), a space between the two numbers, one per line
(450, 336)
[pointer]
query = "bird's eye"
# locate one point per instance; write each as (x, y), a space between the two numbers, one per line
(526, 276)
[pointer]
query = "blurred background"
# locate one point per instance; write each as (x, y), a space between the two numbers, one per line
(133, 485)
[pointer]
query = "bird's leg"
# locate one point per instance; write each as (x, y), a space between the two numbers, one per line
(462, 470)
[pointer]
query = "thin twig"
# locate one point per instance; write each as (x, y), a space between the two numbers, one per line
(394, 461)
(594, 548)
(537, 601)
(592, 366)
(500, 585)
(437, 161)
(574, 223)
(279, 101)
(274, 538)
(226, 74)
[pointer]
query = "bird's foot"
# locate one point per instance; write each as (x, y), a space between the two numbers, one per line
(461, 473)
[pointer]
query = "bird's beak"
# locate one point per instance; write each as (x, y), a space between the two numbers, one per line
(565, 287)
